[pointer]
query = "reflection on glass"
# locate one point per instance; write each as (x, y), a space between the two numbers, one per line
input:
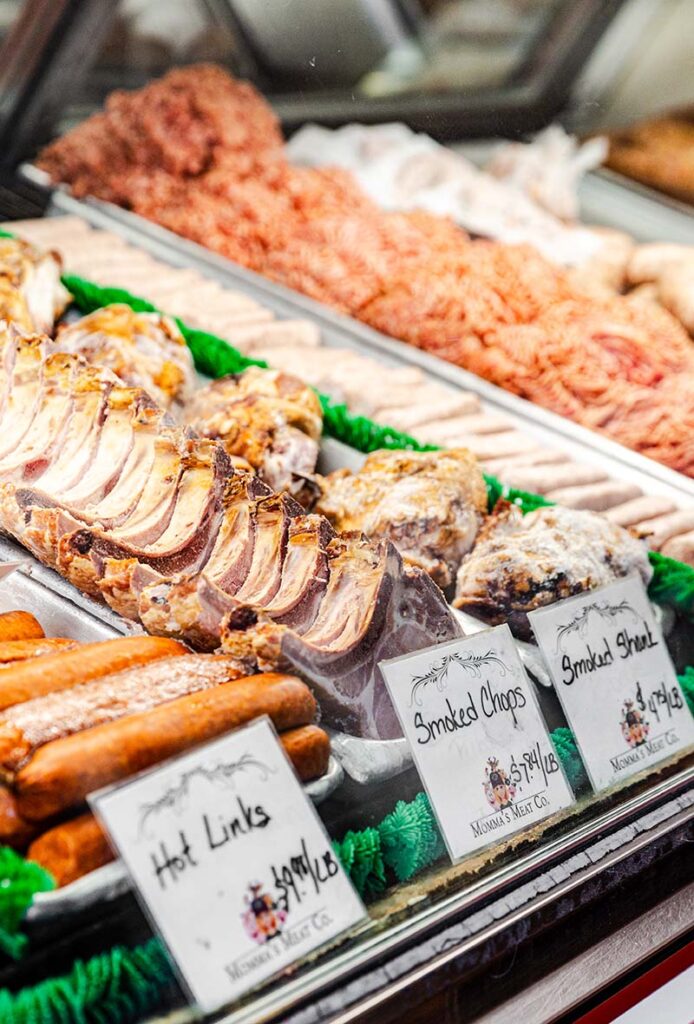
(366, 48)
(9, 9)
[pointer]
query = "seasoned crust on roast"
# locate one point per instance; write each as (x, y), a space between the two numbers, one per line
(429, 504)
(520, 563)
(271, 419)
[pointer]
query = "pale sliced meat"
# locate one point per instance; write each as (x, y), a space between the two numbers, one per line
(272, 530)
(114, 444)
(90, 400)
(277, 331)
(680, 548)
(25, 391)
(499, 466)
(477, 423)
(496, 446)
(154, 509)
(230, 560)
(408, 418)
(663, 528)
(195, 607)
(596, 497)
(357, 573)
(54, 409)
(639, 511)
(121, 500)
(543, 479)
(304, 573)
(202, 479)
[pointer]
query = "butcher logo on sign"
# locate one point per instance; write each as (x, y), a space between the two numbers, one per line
(262, 918)
(635, 728)
(498, 788)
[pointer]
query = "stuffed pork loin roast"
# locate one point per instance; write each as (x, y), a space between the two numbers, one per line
(31, 293)
(429, 504)
(520, 563)
(145, 350)
(271, 419)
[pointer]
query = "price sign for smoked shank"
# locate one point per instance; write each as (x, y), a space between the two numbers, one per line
(614, 677)
(231, 861)
(478, 739)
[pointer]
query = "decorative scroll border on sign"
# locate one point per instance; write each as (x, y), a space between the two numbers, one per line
(438, 673)
(221, 773)
(579, 622)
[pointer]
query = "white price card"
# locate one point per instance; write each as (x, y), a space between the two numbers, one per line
(615, 679)
(231, 862)
(478, 738)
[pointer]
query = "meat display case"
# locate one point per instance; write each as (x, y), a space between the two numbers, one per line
(340, 331)
(451, 938)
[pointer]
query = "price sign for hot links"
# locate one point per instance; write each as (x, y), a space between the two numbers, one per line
(231, 862)
(615, 679)
(478, 739)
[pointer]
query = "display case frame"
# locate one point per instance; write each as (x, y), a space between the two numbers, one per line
(47, 55)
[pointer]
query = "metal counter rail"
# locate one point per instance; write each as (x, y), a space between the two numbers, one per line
(457, 907)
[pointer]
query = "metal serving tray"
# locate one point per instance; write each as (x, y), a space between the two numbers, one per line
(339, 331)
(112, 880)
(61, 609)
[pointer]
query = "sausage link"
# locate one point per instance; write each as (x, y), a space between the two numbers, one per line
(62, 773)
(38, 676)
(22, 650)
(19, 626)
(26, 727)
(308, 749)
(72, 849)
(14, 830)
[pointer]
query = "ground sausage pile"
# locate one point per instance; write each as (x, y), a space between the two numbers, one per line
(202, 154)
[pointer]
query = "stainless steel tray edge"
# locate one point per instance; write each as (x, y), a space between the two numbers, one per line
(539, 901)
(613, 199)
(343, 331)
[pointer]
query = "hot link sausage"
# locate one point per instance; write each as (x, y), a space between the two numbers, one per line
(22, 650)
(308, 749)
(76, 847)
(14, 830)
(72, 849)
(19, 626)
(62, 773)
(52, 672)
(26, 727)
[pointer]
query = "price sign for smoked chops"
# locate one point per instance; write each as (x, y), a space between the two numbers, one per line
(231, 862)
(478, 739)
(614, 677)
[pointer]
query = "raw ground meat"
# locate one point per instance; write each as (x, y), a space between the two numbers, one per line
(202, 154)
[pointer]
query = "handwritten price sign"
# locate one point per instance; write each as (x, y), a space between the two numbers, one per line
(478, 738)
(614, 677)
(231, 862)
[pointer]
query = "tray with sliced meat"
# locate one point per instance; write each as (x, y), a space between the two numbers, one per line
(500, 310)
(91, 695)
(398, 385)
(532, 454)
(125, 528)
